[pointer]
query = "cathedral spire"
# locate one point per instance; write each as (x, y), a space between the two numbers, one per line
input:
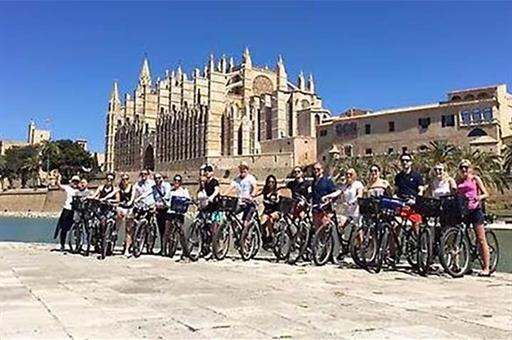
(145, 74)
(301, 83)
(231, 64)
(211, 63)
(311, 84)
(247, 58)
(114, 96)
(282, 78)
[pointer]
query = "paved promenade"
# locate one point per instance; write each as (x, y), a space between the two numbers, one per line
(49, 295)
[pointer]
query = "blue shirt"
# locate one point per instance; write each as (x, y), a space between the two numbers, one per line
(161, 193)
(408, 184)
(322, 187)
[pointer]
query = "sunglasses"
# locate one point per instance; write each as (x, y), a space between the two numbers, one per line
(158, 177)
(463, 167)
(350, 174)
(405, 160)
(439, 169)
(124, 179)
(374, 170)
(297, 171)
(317, 169)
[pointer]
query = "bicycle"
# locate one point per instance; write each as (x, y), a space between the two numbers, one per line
(300, 241)
(405, 243)
(459, 249)
(247, 240)
(78, 231)
(324, 237)
(365, 239)
(145, 229)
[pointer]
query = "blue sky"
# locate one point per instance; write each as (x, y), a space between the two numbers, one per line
(58, 60)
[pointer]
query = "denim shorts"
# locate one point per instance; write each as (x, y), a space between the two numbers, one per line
(474, 217)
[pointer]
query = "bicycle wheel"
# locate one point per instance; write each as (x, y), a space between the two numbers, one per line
(151, 237)
(282, 238)
(494, 250)
(140, 238)
(410, 242)
(364, 246)
(221, 240)
(383, 249)
(171, 240)
(106, 239)
(454, 252)
(75, 237)
(249, 242)
(88, 238)
(195, 241)
(299, 243)
(424, 251)
(323, 244)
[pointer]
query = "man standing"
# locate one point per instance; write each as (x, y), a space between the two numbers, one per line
(409, 185)
(161, 192)
(246, 185)
(322, 191)
(66, 216)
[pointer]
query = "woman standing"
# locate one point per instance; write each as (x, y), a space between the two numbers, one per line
(351, 191)
(377, 186)
(124, 211)
(271, 207)
(442, 184)
(471, 186)
(66, 216)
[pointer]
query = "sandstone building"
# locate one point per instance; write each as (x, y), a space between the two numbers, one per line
(226, 113)
(479, 118)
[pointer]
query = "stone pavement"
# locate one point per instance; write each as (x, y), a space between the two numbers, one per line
(49, 295)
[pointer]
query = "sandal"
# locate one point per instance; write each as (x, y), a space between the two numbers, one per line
(481, 274)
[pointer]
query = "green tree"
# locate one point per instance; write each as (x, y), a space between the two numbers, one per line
(22, 163)
(507, 158)
(68, 157)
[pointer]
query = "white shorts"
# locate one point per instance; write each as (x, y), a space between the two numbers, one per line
(125, 212)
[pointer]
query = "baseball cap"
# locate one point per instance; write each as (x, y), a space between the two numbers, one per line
(75, 178)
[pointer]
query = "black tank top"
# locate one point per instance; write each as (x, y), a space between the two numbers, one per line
(125, 195)
(105, 191)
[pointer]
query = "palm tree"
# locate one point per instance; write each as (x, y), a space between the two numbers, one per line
(507, 158)
(487, 165)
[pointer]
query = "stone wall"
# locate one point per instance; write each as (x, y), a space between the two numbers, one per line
(40, 200)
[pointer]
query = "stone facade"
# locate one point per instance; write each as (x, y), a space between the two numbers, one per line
(224, 114)
(480, 118)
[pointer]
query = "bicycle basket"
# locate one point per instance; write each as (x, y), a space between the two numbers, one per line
(390, 203)
(453, 209)
(228, 203)
(286, 205)
(179, 204)
(428, 207)
(368, 206)
(76, 203)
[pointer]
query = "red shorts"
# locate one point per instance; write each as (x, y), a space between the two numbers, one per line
(410, 215)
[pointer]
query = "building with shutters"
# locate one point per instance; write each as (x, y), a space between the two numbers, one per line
(480, 118)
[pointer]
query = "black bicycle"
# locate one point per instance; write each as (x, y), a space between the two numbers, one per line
(301, 236)
(459, 249)
(324, 238)
(145, 229)
(365, 239)
(247, 239)
(175, 230)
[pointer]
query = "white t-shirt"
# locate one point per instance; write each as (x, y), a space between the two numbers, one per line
(245, 186)
(145, 189)
(349, 197)
(70, 192)
(440, 188)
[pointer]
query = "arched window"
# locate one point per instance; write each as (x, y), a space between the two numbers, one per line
(317, 119)
(455, 98)
(483, 95)
(469, 97)
(477, 132)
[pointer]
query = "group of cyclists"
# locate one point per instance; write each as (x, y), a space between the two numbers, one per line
(292, 217)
